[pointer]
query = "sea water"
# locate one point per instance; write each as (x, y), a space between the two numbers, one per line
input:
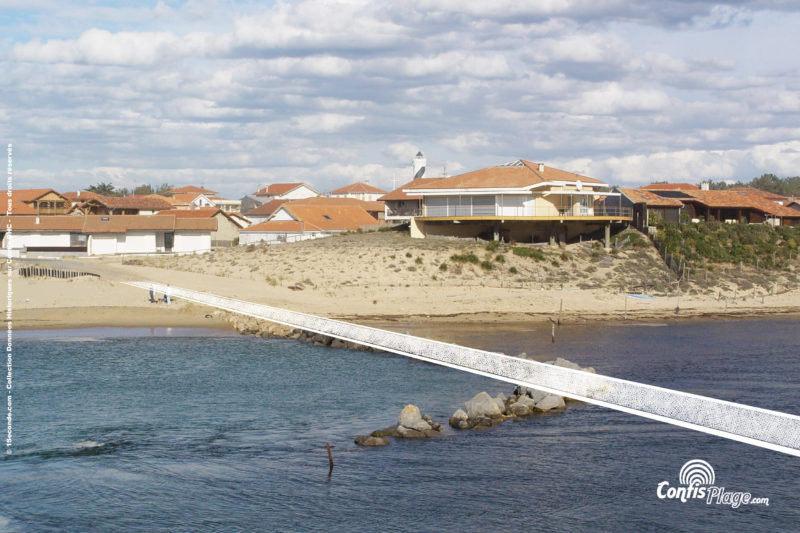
(200, 430)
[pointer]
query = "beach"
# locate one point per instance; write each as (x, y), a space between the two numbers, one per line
(385, 280)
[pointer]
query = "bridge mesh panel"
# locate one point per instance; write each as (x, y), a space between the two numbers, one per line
(761, 427)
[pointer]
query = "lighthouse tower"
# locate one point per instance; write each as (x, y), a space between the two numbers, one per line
(419, 165)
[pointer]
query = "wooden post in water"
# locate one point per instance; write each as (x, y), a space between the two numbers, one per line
(330, 458)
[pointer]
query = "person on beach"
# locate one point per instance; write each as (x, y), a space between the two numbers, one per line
(152, 295)
(166, 295)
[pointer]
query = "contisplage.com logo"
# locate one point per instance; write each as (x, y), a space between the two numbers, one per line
(698, 482)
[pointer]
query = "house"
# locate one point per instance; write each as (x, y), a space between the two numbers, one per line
(78, 197)
(286, 191)
(34, 234)
(128, 234)
(359, 191)
(273, 192)
(771, 196)
(265, 212)
(294, 222)
(647, 202)
(520, 201)
(226, 204)
(137, 204)
(400, 206)
(228, 224)
(733, 206)
(42, 201)
(106, 234)
(670, 187)
(191, 189)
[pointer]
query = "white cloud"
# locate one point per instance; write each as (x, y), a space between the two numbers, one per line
(325, 122)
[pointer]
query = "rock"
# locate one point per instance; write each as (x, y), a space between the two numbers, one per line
(431, 423)
(433, 433)
(458, 417)
(411, 418)
(550, 402)
(482, 405)
(520, 409)
(461, 424)
(391, 431)
(500, 400)
(368, 440)
(408, 433)
(526, 401)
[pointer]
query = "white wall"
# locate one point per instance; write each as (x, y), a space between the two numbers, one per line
(192, 241)
(298, 193)
(106, 243)
(24, 239)
(252, 237)
(282, 214)
(139, 242)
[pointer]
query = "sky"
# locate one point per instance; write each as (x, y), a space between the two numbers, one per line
(237, 94)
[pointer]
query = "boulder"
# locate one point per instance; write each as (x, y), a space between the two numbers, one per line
(458, 417)
(408, 433)
(520, 409)
(482, 405)
(431, 423)
(391, 431)
(550, 402)
(525, 401)
(500, 400)
(461, 424)
(411, 418)
(370, 441)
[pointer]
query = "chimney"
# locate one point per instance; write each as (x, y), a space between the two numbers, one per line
(419, 165)
(705, 186)
(541, 167)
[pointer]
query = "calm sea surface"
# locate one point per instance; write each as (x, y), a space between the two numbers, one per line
(187, 430)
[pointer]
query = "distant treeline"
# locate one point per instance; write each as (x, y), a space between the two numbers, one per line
(766, 182)
(108, 189)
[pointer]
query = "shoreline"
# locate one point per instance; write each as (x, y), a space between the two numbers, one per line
(195, 316)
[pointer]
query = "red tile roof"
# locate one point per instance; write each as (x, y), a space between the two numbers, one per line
(398, 193)
(191, 189)
(202, 212)
(359, 187)
(20, 208)
(28, 195)
(326, 217)
(48, 223)
(649, 198)
(766, 194)
(741, 199)
(519, 174)
(265, 210)
(152, 202)
(81, 196)
(671, 187)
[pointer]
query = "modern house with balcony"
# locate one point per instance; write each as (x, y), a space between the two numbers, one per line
(520, 201)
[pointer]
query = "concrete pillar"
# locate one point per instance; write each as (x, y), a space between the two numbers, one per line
(417, 228)
(496, 234)
(608, 235)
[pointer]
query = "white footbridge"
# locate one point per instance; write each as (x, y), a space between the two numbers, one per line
(752, 425)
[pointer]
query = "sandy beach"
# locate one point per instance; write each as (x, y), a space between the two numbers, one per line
(385, 279)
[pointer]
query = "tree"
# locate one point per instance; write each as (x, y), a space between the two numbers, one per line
(106, 189)
(143, 189)
(164, 188)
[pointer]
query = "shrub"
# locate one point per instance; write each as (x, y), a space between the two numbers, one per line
(408, 254)
(534, 253)
(492, 246)
(487, 265)
(500, 258)
(443, 267)
(465, 258)
(513, 270)
(418, 260)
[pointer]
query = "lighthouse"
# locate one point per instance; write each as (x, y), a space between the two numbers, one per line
(419, 165)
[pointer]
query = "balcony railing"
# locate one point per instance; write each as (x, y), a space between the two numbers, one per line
(527, 212)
